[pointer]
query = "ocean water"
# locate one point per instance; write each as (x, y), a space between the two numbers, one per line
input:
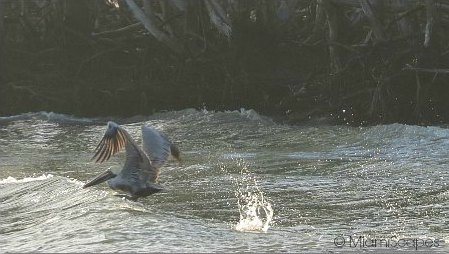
(245, 184)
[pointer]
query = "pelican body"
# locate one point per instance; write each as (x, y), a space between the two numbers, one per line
(140, 173)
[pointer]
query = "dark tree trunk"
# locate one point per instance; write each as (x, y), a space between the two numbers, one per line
(333, 19)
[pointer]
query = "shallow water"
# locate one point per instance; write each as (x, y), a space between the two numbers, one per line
(245, 184)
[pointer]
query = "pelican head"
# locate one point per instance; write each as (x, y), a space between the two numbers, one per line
(103, 177)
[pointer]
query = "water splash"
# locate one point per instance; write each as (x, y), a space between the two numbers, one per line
(256, 212)
(251, 114)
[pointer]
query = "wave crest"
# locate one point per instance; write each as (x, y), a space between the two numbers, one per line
(11, 179)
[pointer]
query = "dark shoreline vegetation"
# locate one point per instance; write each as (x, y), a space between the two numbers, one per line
(356, 62)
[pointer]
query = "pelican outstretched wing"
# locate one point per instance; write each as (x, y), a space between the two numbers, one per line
(156, 145)
(137, 165)
(114, 139)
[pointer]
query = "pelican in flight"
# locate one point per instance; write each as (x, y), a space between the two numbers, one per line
(139, 175)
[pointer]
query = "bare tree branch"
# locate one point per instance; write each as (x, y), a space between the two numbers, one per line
(150, 25)
(430, 7)
(371, 14)
(318, 24)
(119, 30)
(180, 4)
(218, 17)
(410, 68)
(334, 26)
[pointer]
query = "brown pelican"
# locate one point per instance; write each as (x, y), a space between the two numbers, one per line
(139, 175)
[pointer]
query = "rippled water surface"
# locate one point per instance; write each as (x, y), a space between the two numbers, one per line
(245, 183)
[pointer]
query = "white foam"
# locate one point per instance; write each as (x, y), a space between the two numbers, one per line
(238, 155)
(48, 116)
(23, 116)
(11, 179)
(75, 181)
(250, 114)
(57, 117)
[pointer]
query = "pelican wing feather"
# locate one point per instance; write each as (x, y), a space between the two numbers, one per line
(156, 145)
(114, 139)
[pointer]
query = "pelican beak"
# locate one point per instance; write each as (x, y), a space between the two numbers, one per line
(103, 177)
